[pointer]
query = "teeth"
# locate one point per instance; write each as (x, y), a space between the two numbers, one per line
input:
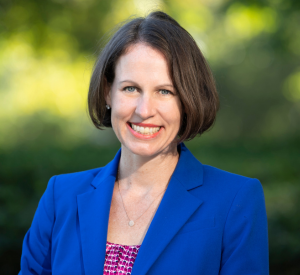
(145, 130)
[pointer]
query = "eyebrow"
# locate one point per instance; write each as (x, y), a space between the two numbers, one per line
(136, 84)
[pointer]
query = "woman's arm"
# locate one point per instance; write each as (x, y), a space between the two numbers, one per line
(245, 239)
(36, 252)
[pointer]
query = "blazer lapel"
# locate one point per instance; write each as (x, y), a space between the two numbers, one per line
(173, 212)
(93, 212)
(175, 209)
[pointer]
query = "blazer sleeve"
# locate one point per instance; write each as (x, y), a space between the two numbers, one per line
(36, 250)
(245, 239)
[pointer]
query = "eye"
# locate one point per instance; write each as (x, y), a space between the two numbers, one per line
(129, 89)
(165, 92)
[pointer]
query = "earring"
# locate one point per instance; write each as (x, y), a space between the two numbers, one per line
(107, 107)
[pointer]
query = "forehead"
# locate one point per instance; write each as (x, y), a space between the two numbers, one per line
(141, 60)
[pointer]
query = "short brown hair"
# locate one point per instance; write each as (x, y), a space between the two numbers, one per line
(189, 71)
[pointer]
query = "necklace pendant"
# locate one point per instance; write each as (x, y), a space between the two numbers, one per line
(131, 223)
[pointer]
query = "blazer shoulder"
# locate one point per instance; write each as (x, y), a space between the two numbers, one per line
(80, 174)
(222, 188)
(77, 182)
(216, 176)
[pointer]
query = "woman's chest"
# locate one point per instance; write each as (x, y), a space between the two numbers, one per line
(172, 244)
(129, 220)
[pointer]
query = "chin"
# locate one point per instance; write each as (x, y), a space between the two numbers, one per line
(144, 150)
(147, 149)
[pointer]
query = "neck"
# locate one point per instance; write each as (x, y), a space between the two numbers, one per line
(147, 174)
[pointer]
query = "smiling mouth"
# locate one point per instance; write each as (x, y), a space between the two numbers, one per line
(144, 130)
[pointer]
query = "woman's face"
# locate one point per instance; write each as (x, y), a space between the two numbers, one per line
(145, 108)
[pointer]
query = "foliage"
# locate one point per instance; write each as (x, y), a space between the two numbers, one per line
(47, 49)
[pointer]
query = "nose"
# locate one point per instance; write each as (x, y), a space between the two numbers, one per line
(145, 106)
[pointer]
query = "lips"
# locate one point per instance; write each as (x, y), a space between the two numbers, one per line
(144, 131)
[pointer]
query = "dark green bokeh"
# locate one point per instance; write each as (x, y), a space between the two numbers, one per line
(257, 132)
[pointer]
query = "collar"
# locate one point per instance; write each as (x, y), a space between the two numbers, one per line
(188, 171)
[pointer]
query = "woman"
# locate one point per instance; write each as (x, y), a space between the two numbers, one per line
(154, 209)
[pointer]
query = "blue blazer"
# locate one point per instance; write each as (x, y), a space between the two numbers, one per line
(209, 222)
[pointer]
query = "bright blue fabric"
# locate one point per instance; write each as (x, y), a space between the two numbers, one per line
(209, 222)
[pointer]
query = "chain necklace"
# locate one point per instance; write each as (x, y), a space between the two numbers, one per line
(131, 222)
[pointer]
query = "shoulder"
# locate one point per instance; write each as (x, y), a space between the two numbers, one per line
(231, 198)
(69, 185)
(73, 179)
(224, 186)
(60, 196)
(213, 174)
(213, 182)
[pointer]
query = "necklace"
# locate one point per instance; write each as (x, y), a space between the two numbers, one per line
(131, 222)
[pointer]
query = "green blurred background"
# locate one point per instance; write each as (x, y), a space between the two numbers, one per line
(47, 50)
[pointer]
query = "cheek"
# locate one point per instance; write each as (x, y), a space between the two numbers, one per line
(121, 110)
(172, 114)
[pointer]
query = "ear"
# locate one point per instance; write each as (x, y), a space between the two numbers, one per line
(107, 90)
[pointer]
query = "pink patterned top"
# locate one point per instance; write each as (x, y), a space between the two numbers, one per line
(119, 259)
